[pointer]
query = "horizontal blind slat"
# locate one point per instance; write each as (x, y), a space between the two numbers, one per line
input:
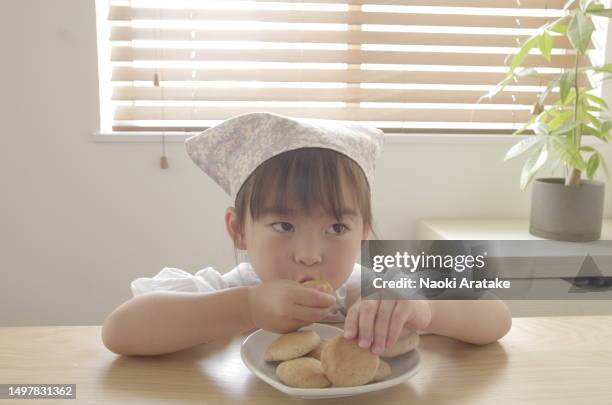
(128, 73)
(351, 56)
(120, 33)
(457, 128)
(126, 93)
(537, 4)
(125, 13)
(345, 113)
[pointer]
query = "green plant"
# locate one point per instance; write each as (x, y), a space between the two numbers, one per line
(558, 129)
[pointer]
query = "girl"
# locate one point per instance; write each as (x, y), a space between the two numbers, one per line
(301, 190)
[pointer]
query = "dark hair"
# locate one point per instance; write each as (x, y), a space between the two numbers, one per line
(312, 178)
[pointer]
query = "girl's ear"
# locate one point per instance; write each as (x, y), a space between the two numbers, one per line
(231, 224)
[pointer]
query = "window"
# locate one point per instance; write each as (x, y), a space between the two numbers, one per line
(415, 66)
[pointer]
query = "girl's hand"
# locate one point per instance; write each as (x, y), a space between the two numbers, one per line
(283, 306)
(379, 323)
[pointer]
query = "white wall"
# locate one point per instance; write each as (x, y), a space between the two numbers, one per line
(80, 219)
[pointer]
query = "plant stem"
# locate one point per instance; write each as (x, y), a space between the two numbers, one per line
(574, 177)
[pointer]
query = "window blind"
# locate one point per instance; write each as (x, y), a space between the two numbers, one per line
(402, 65)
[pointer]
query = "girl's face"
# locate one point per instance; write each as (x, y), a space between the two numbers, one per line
(300, 247)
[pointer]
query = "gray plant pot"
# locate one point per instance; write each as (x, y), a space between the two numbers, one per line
(566, 213)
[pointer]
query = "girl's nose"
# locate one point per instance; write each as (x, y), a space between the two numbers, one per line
(308, 257)
(308, 251)
(308, 260)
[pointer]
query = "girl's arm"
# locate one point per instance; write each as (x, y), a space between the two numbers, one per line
(473, 321)
(167, 321)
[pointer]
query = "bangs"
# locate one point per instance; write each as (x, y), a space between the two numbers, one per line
(311, 181)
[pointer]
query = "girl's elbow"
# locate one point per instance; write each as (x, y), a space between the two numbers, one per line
(507, 325)
(500, 330)
(505, 322)
(111, 339)
(107, 337)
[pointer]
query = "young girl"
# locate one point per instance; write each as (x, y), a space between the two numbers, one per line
(302, 206)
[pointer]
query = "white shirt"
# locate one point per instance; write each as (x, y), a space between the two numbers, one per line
(209, 280)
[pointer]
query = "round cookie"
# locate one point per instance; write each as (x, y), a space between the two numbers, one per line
(383, 371)
(346, 364)
(316, 352)
(303, 372)
(292, 345)
(327, 288)
(403, 345)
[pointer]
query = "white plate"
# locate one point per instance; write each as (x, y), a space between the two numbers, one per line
(254, 346)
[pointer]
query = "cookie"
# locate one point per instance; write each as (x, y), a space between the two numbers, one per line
(316, 352)
(346, 364)
(383, 371)
(292, 345)
(403, 345)
(326, 287)
(303, 372)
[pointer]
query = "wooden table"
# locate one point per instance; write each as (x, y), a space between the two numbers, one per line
(545, 360)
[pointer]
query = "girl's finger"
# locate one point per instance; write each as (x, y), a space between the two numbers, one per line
(381, 325)
(308, 314)
(405, 331)
(367, 314)
(311, 297)
(352, 321)
(402, 311)
(421, 316)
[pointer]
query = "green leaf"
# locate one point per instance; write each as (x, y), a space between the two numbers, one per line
(594, 120)
(586, 106)
(523, 146)
(565, 128)
(524, 127)
(558, 120)
(540, 127)
(579, 31)
(551, 85)
(498, 87)
(569, 100)
(567, 151)
(559, 25)
(524, 51)
(553, 112)
(534, 163)
(595, 99)
(594, 7)
(587, 130)
(584, 4)
(592, 165)
(587, 149)
(510, 77)
(545, 44)
(526, 72)
(600, 69)
(566, 82)
(607, 12)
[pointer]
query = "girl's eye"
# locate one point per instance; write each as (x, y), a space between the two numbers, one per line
(339, 228)
(284, 226)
